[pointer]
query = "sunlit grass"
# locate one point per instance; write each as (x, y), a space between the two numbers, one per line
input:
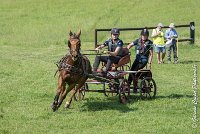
(32, 38)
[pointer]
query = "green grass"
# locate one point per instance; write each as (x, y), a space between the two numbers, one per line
(32, 38)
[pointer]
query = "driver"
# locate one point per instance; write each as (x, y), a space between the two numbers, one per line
(114, 52)
(144, 50)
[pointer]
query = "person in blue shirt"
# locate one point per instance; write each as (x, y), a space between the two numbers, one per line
(171, 38)
(144, 50)
(114, 53)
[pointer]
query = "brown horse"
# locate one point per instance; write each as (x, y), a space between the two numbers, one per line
(73, 71)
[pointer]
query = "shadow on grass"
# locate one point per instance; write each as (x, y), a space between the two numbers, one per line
(136, 98)
(175, 96)
(112, 103)
(188, 62)
(93, 104)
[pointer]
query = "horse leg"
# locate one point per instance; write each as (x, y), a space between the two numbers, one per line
(75, 89)
(68, 103)
(61, 88)
(62, 95)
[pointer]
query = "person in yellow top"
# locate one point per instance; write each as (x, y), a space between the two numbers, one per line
(158, 41)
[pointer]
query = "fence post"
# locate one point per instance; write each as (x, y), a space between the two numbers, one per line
(95, 40)
(192, 32)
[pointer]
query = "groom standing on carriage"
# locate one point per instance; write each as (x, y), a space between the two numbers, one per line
(144, 50)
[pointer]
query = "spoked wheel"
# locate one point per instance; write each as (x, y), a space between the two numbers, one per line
(111, 89)
(148, 88)
(80, 94)
(124, 91)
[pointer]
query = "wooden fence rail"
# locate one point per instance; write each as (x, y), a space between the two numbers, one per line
(191, 25)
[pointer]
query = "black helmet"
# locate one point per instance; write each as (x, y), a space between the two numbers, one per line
(115, 31)
(145, 32)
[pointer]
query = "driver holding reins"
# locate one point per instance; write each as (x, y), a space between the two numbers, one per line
(114, 53)
(144, 50)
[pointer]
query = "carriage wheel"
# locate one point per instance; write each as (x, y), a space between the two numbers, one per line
(124, 91)
(80, 94)
(148, 88)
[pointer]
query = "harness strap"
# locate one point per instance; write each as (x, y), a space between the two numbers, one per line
(72, 69)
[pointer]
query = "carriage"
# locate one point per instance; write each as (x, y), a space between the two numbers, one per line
(75, 69)
(115, 82)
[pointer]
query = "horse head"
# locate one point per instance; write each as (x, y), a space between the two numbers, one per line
(74, 44)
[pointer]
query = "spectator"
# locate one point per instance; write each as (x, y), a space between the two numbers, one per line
(158, 41)
(144, 54)
(171, 38)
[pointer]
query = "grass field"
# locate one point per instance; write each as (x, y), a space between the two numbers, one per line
(32, 35)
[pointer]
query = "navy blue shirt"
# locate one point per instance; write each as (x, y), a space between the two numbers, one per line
(143, 48)
(112, 46)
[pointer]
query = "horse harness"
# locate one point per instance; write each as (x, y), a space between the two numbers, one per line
(62, 65)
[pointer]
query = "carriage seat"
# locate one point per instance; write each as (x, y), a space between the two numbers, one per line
(124, 60)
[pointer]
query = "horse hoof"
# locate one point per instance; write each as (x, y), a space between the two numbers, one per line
(54, 108)
(67, 106)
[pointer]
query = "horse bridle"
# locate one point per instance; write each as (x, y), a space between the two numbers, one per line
(75, 52)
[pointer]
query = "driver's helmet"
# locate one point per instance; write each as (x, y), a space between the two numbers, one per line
(145, 32)
(115, 31)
